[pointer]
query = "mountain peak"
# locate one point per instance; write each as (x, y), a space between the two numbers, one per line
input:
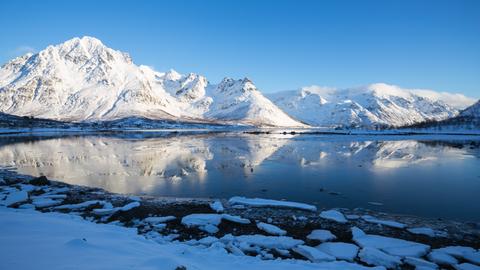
(172, 75)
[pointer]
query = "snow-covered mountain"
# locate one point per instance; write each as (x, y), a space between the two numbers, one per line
(374, 105)
(472, 111)
(83, 80)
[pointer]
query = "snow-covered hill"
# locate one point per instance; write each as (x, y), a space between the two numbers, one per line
(83, 80)
(374, 105)
(472, 111)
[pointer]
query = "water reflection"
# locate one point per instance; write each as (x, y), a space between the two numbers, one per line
(290, 167)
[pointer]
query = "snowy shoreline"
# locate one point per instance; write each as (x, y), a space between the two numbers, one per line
(267, 229)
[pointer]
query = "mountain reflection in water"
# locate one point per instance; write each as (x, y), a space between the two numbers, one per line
(429, 178)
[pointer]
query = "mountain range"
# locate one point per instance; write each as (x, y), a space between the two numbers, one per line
(82, 80)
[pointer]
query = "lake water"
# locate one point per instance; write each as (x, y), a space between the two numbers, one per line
(409, 175)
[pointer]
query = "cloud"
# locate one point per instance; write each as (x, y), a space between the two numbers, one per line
(22, 50)
(456, 100)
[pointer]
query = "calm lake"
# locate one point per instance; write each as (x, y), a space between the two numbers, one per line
(423, 176)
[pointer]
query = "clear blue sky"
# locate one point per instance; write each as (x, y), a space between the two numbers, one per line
(278, 44)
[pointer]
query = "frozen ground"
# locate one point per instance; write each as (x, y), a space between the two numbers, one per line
(89, 228)
(62, 241)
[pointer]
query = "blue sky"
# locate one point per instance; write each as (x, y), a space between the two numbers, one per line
(280, 45)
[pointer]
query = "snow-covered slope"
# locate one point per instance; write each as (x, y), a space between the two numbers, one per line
(82, 79)
(374, 105)
(472, 111)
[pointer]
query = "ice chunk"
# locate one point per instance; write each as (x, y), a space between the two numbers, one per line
(79, 205)
(271, 229)
(217, 206)
(392, 246)
(256, 202)
(340, 250)
(108, 209)
(236, 219)
(321, 235)
(270, 242)
(420, 263)
(373, 256)
(473, 257)
(201, 220)
(441, 258)
(27, 206)
(209, 228)
(333, 215)
(129, 206)
(104, 211)
(422, 230)
(234, 250)
(208, 240)
(356, 232)
(42, 203)
(457, 251)
(155, 220)
(50, 196)
(160, 226)
(313, 254)
(466, 266)
(389, 223)
(15, 197)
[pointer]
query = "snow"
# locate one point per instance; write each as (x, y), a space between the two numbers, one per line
(441, 258)
(373, 256)
(472, 111)
(375, 104)
(423, 231)
(392, 246)
(334, 215)
(256, 202)
(236, 219)
(271, 229)
(270, 242)
(50, 196)
(389, 223)
(32, 240)
(79, 205)
(313, 254)
(84, 80)
(466, 266)
(155, 220)
(217, 206)
(209, 228)
(420, 263)
(321, 235)
(195, 220)
(108, 209)
(129, 206)
(45, 202)
(457, 251)
(461, 252)
(15, 197)
(339, 250)
(473, 257)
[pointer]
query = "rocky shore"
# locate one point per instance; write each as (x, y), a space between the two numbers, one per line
(264, 228)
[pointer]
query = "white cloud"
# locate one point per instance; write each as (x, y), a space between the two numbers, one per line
(22, 50)
(456, 100)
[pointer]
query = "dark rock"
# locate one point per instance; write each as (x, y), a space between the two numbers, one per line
(40, 181)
